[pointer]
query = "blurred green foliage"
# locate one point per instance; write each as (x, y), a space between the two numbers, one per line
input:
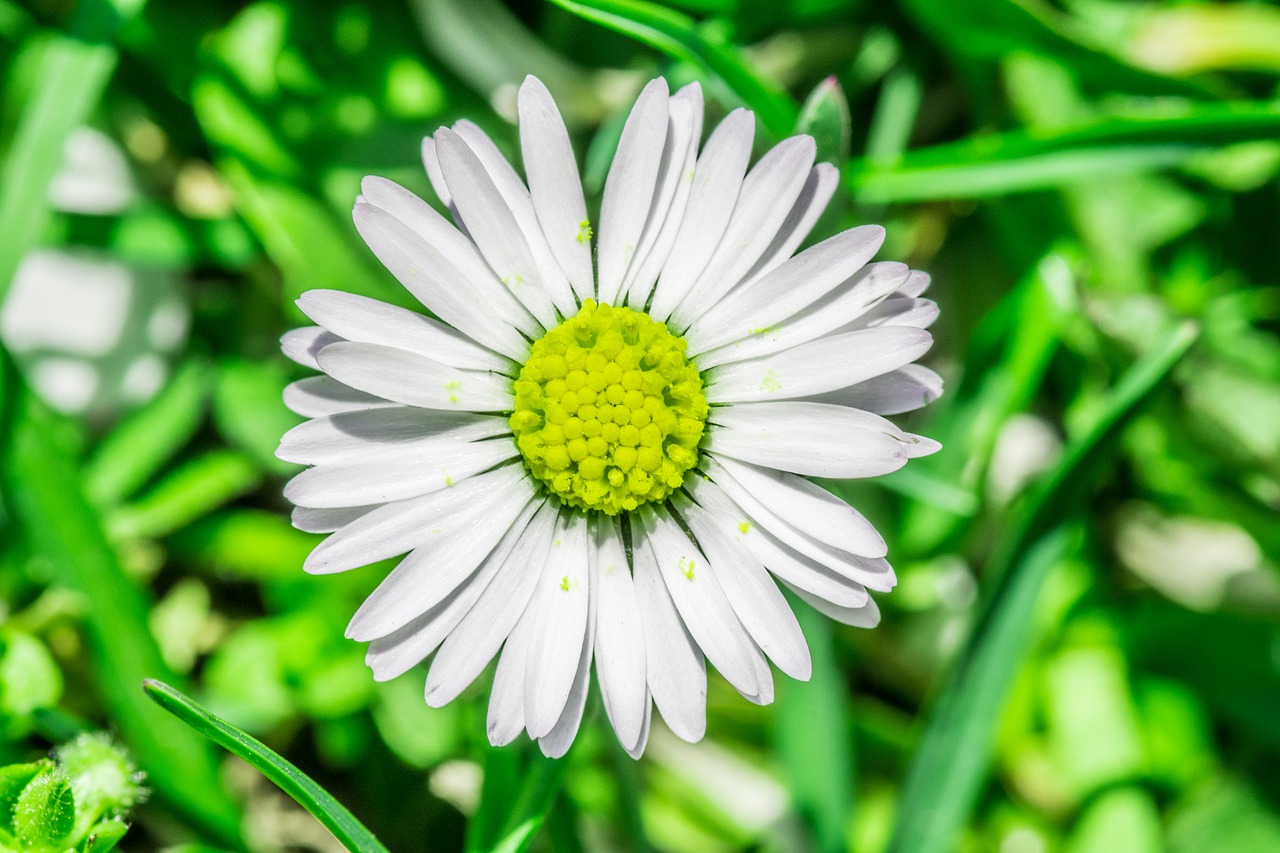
(1081, 653)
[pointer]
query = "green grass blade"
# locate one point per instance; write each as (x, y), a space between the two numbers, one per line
(353, 835)
(812, 731)
(42, 491)
(677, 36)
(951, 758)
(1018, 161)
(189, 492)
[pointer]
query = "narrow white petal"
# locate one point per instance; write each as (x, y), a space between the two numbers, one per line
(391, 476)
(791, 287)
(799, 503)
(557, 741)
(691, 579)
(311, 520)
(630, 186)
(916, 285)
(506, 700)
(673, 662)
(814, 439)
(400, 526)
(904, 390)
(372, 431)
(437, 565)
(900, 311)
(555, 642)
(517, 198)
(619, 643)
(675, 171)
(415, 380)
(480, 634)
(734, 524)
(447, 276)
(717, 181)
(431, 163)
(395, 653)
(818, 189)
(868, 571)
(555, 185)
(302, 345)
(843, 305)
(317, 396)
(643, 741)
(493, 226)
(768, 192)
(827, 364)
(755, 598)
(358, 318)
(865, 616)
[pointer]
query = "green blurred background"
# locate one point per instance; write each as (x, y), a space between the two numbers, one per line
(1083, 653)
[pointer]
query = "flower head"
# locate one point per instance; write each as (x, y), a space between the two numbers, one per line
(605, 462)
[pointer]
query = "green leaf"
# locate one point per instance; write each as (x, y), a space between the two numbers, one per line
(1019, 161)
(187, 493)
(951, 758)
(515, 804)
(13, 779)
(104, 836)
(349, 831)
(825, 117)
(677, 36)
(46, 811)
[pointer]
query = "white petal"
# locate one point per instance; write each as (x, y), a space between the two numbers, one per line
(814, 439)
(555, 186)
(555, 641)
(675, 171)
(370, 432)
(638, 750)
(358, 318)
(326, 520)
(799, 503)
(791, 287)
(302, 345)
(734, 524)
(843, 305)
(619, 645)
(480, 634)
(717, 181)
(431, 163)
(445, 274)
(916, 285)
(817, 192)
(691, 579)
(517, 198)
(493, 226)
(904, 390)
(317, 396)
(868, 571)
(866, 616)
(397, 527)
(437, 565)
(629, 187)
(557, 741)
(754, 596)
(415, 380)
(900, 311)
(395, 653)
(827, 364)
(673, 662)
(768, 192)
(506, 700)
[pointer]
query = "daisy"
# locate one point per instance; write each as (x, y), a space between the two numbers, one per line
(596, 450)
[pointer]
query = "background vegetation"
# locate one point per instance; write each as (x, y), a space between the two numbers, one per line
(1082, 653)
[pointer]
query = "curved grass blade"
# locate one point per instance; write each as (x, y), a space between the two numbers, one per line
(1018, 161)
(677, 36)
(952, 756)
(353, 835)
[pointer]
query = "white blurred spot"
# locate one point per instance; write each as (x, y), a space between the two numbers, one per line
(65, 383)
(1026, 446)
(143, 378)
(73, 304)
(458, 782)
(167, 328)
(94, 177)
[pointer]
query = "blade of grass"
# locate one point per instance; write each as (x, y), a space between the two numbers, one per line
(677, 36)
(952, 756)
(42, 492)
(1019, 161)
(73, 71)
(344, 826)
(811, 728)
(187, 493)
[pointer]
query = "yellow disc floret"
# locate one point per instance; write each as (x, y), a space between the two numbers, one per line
(608, 410)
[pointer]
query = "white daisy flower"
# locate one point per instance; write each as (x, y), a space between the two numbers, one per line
(605, 461)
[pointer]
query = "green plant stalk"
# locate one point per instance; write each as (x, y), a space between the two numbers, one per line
(951, 759)
(302, 788)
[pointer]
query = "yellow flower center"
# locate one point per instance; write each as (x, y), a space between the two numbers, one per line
(608, 410)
